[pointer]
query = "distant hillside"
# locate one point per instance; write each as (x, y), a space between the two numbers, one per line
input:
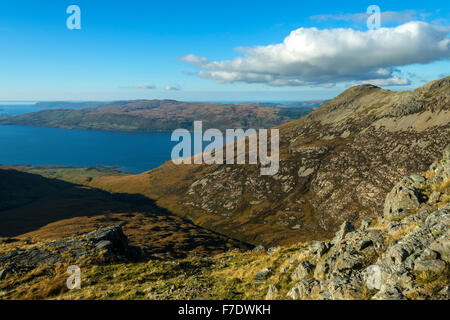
(159, 116)
(69, 104)
(338, 163)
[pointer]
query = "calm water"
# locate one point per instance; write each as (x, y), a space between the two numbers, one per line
(133, 152)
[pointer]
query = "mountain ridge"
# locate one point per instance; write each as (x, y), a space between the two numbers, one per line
(337, 164)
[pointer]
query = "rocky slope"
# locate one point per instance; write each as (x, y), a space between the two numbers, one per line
(403, 254)
(337, 164)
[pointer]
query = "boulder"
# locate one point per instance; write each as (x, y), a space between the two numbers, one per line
(302, 271)
(305, 290)
(263, 274)
(442, 247)
(436, 266)
(272, 292)
(345, 228)
(113, 234)
(402, 199)
(259, 248)
(389, 292)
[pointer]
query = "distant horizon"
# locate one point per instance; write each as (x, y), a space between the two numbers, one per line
(237, 101)
(6, 102)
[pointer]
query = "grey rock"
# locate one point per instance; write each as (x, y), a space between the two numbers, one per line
(436, 266)
(114, 234)
(348, 262)
(104, 245)
(365, 224)
(272, 292)
(322, 268)
(445, 293)
(442, 247)
(365, 243)
(428, 254)
(272, 250)
(263, 274)
(30, 257)
(285, 269)
(401, 200)
(345, 228)
(434, 197)
(305, 172)
(389, 292)
(319, 248)
(304, 290)
(259, 248)
(302, 271)
(340, 289)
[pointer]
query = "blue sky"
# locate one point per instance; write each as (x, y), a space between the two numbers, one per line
(132, 49)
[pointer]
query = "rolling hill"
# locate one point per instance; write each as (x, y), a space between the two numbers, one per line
(159, 116)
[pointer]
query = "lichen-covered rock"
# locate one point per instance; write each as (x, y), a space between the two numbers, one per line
(402, 199)
(110, 241)
(272, 292)
(442, 247)
(436, 266)
(391, 259)
(304, 290)
(302, 271)
(345, 228)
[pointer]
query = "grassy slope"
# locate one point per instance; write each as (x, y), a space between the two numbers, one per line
(230, 275)
(38, 208)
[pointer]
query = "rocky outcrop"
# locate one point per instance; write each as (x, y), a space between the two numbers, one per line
(404, 197)
(405, 255)
(104, 245)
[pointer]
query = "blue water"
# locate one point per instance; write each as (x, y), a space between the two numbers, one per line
(132, 152)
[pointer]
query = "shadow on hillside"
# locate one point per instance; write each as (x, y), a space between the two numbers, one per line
(29, 202)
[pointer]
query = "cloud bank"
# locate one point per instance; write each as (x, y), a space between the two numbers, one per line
(313, 57)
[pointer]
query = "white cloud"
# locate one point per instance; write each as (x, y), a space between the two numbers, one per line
(140, 86)
(394, 81)
(172, 88)
(309, 56)
(145, 86)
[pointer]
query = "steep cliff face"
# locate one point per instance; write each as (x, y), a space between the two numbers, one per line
(336, 164)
